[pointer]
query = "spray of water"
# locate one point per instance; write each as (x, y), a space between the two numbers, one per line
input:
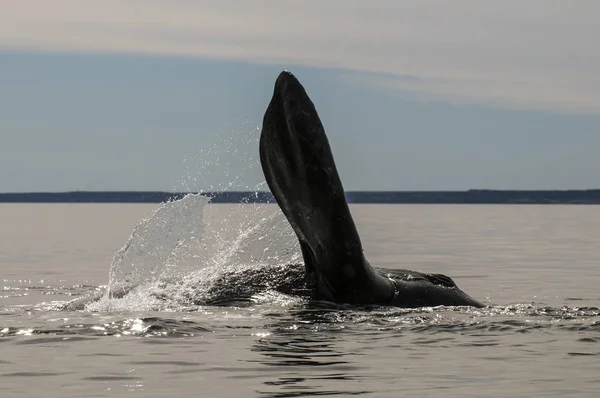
(174, 257)
(164, 244)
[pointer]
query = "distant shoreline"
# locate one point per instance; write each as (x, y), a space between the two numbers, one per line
(473, 196)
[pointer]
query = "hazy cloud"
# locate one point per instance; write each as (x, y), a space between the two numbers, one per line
(524, 54)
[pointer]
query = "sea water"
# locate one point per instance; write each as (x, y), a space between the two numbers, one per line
(537, 268)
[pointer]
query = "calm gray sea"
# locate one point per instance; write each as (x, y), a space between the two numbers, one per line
(538, 268)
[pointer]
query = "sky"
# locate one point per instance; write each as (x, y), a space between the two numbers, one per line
(414, 95)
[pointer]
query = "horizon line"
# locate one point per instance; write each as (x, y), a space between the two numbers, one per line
(235, 191)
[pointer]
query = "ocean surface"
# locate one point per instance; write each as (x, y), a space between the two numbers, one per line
(61, 335)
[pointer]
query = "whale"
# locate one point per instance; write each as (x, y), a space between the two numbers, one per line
(300, 171)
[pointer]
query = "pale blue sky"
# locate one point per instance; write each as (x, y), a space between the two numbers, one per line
(142, 95)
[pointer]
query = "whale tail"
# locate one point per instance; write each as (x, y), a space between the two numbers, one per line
(299, 168)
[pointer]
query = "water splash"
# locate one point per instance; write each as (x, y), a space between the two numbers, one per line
(164, 244)
(173, 258)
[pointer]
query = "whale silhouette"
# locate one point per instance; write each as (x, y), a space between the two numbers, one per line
(300, 171)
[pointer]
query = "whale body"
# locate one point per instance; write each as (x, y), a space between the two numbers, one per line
(300, 171)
